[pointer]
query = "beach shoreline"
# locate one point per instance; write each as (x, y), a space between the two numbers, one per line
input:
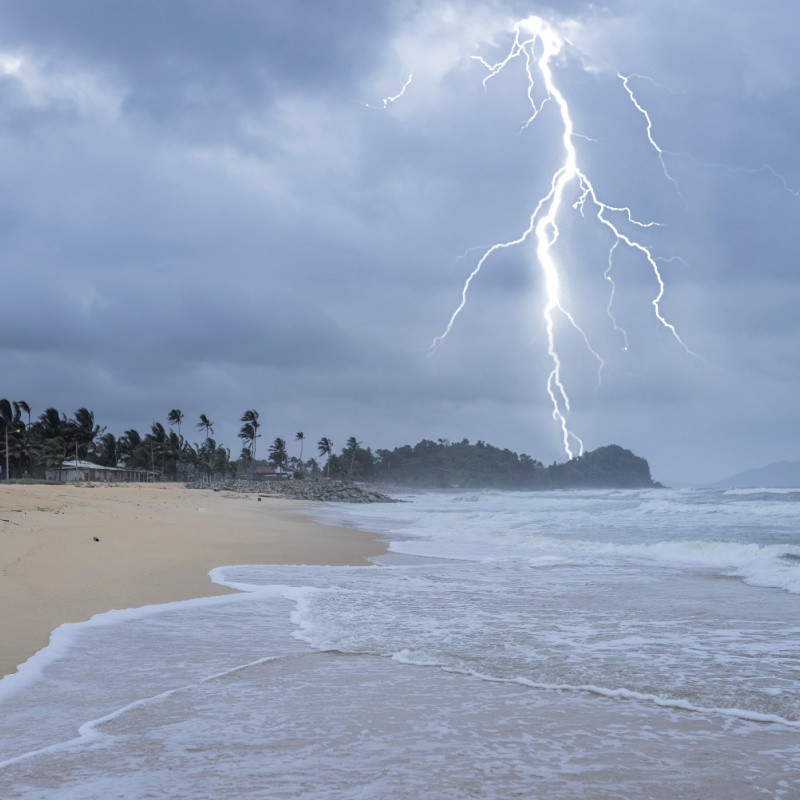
(70, 551)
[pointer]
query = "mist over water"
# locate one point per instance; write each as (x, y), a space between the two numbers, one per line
(643, 643)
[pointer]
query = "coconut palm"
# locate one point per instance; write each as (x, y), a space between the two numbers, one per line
(85, 431)
(21, 405)
(248, 435)
(53, 453)
(133, 450)
(220, 461)
(174, 447)
(205, 424)
(24, 451)
(205, 457)
(249, 431)
(175, 417)
(352, 448)
(191, 457)
(325, 447)
(52, 424)
(107, 453)
(277, 452)
(157, 441)
(13, 425)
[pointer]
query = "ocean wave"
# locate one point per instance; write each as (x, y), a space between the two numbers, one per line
(404, 657)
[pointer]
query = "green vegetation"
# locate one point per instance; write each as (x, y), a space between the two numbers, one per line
(610, 467)
(277, 453)
(459, 464)
(28, 448)
(446, 465)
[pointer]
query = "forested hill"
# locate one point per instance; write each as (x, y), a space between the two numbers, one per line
(463, 465)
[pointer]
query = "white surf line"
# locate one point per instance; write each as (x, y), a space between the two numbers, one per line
(677, 704)
(88, 732)
(63, 637)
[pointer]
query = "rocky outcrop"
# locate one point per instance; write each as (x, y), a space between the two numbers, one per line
(322, 491)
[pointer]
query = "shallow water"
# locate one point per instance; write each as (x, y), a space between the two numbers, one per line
(598, 644)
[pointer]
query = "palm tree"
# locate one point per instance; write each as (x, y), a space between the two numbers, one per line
(157, 441)
(21, 405)
(325, 447)
(134, 450)
(107, 455)
(12, 424)
(128, 443)
(24, 451)
(205, 424)
(300, 437)
(249, 431)
(52, 424)
(277, 452)
(53, 453)
(245, 457)
(190, 456)
(352, 448)
(174, 448)
(175, 417)
(220, 461)
(205, 460)
(233, 467)
(85, 431)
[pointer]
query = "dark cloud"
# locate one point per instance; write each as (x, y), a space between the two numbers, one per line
(206, 205)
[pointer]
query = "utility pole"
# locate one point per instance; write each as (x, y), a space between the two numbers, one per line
(16, 430)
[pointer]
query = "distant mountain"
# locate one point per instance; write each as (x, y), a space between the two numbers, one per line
(779, 475)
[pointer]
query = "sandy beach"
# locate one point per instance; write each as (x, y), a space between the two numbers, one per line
(68, 552)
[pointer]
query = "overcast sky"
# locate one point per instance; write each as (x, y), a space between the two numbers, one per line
(213, 206)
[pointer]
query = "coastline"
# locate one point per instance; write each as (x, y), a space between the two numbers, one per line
(156, 544)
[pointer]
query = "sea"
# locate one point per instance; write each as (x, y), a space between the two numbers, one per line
(583, 644)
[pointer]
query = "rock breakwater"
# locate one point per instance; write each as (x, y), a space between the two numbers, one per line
(322, 491)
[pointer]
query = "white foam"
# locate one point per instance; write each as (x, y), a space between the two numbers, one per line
(65, 637)
(404, 657)
(616, 598)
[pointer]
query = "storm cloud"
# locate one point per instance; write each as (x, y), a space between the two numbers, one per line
(209, 206)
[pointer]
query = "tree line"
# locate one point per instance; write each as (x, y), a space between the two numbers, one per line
(29, 447)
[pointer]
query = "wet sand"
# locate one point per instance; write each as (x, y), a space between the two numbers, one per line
(156, 545)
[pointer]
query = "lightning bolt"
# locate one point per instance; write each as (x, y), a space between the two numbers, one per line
(643, 112)
(607, 276)
(765, 169)
(543, 221)
(387, 100)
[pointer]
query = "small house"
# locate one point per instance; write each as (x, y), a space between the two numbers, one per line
(88, 471)
(274, 473)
